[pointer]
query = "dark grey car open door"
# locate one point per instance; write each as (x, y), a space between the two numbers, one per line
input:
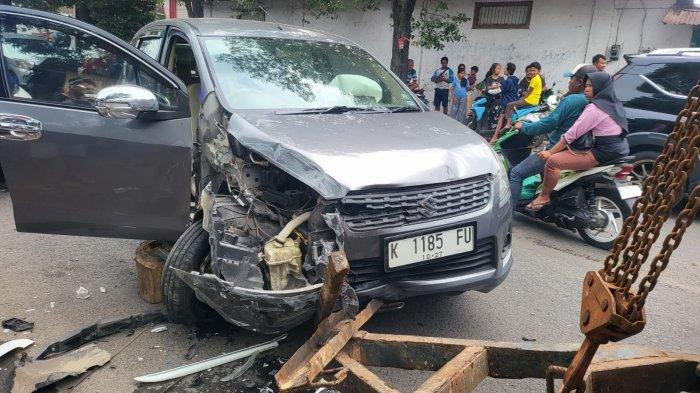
(69, 169)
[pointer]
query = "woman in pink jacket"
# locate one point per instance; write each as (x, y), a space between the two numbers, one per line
(605, 118)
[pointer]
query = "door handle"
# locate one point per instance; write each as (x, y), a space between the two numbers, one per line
(19, 127)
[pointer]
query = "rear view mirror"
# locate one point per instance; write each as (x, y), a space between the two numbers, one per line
(125, 101)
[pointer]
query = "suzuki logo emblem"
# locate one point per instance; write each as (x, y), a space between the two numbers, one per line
(427, 206)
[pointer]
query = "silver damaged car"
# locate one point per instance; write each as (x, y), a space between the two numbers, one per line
(259, 149)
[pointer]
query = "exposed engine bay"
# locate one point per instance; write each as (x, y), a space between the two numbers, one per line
(269, 241)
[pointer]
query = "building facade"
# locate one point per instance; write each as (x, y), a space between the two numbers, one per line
(557, 33)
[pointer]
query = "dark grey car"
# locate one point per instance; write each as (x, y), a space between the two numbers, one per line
(300, 144)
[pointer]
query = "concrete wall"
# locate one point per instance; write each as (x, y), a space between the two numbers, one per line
(562, 34)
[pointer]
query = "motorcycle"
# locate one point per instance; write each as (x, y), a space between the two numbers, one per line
(594, 202)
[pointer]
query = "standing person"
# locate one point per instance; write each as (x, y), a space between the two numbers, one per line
(555, 124)
(412, 78)
(605, 118)
(443, 77)
(492, 91)
(600, 61)
(459, 87)
(509, 93)
(471, 92)
(531, 96)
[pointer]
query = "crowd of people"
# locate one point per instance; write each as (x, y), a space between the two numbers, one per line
(588, 126)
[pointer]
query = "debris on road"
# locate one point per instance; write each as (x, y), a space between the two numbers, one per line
(240, 370)
(209, 363)
(17, 325)
(159, 328)
(10, 346)
(37, 374)
(194, 344)
(98, 330)
(103, 289)
(82, 293)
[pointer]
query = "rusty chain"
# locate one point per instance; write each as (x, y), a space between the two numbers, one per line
(661, 191)
(630, 250)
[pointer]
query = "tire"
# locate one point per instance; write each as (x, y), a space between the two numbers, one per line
(608, 197)
(643, 164)
(188, 254)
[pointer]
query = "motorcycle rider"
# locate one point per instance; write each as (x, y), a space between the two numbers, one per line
(605, 119)
(556, 124)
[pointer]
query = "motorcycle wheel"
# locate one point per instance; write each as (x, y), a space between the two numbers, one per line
(610, 209)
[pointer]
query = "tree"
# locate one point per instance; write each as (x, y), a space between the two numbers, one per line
(195, 8)
(120, 17)
(434, 26)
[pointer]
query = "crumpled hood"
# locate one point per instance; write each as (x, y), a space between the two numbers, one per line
(337, 153)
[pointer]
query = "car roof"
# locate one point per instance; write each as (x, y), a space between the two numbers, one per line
(667, 55)
(204, 27)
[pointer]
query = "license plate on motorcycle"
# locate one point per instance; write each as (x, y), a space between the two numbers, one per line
(430, 246)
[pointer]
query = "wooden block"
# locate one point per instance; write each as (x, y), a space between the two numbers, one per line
(150, 259)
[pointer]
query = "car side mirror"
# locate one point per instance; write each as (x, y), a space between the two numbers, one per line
(125, 101)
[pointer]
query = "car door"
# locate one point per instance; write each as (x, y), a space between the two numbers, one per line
(69, 169)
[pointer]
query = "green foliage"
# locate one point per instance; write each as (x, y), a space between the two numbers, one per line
(435, 26)
(120, 17)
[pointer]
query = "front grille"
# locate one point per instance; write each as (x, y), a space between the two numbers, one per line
(369, 273)
(379, 209)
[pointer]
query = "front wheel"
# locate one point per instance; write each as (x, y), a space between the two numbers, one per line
(189, 253)
(607, 215)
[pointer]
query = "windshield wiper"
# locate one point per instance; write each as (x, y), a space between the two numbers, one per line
(405, 109)
(332, 110)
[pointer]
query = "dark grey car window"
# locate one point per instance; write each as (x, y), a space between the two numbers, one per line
(53, 63)
(150, 42)
(675, 78)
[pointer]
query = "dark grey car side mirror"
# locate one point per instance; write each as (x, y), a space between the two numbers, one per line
(125, 101)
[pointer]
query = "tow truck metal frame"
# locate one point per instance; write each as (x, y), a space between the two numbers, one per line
(460, 365)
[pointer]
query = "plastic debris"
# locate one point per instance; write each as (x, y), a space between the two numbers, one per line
(30, 310)
(159, 328)
(240, 370)
(41, 373)
(98, 330)
(209, 363)
(82, 293)
(10, 346)
(103, 289)
(52, 304)
(17, 325)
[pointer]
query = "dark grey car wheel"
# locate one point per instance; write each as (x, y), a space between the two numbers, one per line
(189, 253)
(643, 165)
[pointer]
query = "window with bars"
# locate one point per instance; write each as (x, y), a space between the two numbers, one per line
(249, 14)
(502, 15)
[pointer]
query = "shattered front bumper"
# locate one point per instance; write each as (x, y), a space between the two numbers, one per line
(271, 312)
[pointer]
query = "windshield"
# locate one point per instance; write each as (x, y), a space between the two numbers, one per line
(273, 73)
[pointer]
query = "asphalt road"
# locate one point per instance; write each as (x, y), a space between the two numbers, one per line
(39, 275)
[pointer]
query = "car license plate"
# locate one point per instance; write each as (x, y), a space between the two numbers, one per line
(430, 246)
